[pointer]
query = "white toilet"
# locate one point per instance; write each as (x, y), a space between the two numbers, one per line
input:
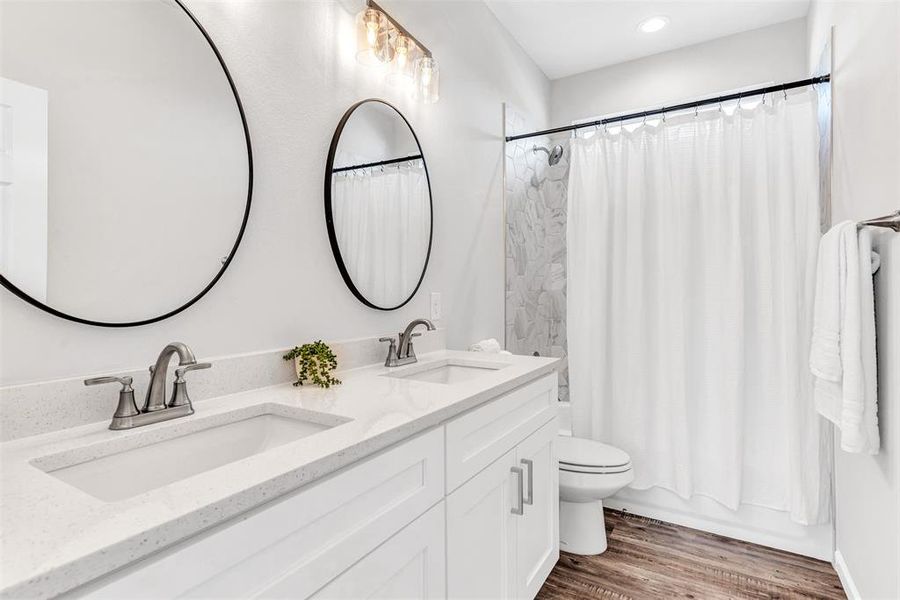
(589, 471)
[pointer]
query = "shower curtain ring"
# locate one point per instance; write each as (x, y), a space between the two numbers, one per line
(784, 91)
(696, 110)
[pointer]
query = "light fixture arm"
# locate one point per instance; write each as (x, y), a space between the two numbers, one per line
(399, 27)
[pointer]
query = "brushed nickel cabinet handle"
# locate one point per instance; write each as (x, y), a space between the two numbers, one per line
(529, 499)
(519, 509)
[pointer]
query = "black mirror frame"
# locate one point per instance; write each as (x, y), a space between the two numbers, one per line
(24, 296)
(329, 216)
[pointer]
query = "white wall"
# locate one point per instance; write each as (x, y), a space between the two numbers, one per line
(866, 184)
(294, 66)
(770, 54)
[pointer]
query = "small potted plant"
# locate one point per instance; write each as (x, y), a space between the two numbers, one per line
(314, 362)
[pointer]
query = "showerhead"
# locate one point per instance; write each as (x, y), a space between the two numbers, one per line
(553, 155)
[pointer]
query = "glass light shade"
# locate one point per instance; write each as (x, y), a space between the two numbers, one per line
(373, 38)
(427, 80)
(403, 67)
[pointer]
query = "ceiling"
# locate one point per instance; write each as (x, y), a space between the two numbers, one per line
(565, 37)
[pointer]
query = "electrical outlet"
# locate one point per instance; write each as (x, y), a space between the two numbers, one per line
(436, 306)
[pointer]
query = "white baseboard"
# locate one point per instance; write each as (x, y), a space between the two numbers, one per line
(844, 574)
(751, 524)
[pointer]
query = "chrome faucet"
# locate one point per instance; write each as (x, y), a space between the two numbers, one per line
(401, 351)
(155, 410)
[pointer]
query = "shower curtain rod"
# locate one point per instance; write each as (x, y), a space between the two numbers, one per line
(781, 87)
(391, 161)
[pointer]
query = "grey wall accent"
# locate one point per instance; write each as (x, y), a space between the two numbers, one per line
(536, 204)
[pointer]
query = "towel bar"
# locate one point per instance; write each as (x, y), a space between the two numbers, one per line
(891, 221)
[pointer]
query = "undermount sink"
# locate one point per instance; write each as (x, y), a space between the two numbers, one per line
(123, 473)
(448, 371)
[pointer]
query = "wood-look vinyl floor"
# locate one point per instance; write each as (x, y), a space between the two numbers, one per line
(647, 558)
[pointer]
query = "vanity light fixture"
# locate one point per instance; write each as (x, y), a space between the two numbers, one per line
(403, 67)
(653, 24)
(427, 80)
(382, 42)
(373, 46)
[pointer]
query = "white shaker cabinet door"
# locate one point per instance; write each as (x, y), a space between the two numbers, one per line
(538, 528)
(410, 565)
(481, 532)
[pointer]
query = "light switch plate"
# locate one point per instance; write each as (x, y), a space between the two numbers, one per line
(436, 311)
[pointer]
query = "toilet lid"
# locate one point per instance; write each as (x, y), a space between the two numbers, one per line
(589, 456)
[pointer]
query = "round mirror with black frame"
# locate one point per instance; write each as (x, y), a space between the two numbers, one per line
(378, 205)
(126, 172)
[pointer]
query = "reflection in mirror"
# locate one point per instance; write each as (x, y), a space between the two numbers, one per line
(125, 173)
(379, 205)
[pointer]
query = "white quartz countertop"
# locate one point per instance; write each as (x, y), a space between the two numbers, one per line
(55, 537)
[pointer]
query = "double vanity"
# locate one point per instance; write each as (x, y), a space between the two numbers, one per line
(431, 480)
(428, 477)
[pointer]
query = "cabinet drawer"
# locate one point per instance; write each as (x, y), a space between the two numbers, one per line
(484, 434)
(410, 565)
(311, 536)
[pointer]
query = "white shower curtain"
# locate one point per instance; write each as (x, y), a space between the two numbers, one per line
(382, 223)
(691, 255)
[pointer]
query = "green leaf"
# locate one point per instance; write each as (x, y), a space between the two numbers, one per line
(315, 363)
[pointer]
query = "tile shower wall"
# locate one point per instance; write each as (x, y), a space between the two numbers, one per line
(536, 248)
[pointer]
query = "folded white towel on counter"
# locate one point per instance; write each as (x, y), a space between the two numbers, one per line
(842, 353)
(490, 346)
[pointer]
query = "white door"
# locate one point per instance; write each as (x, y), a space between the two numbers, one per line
(538, 528)
(409, 565)
(481, 532)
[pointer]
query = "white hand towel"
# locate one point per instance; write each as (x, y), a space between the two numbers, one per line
(825, 351)
(842, 355)
(490, 345)
(867, 439)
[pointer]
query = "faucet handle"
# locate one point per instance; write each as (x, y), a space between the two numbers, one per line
(126, 407)
(179, 389)
(125, 380)
(392, 351)
(181, 371)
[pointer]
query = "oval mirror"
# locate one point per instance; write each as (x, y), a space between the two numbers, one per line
(378, 205)
(126, 171)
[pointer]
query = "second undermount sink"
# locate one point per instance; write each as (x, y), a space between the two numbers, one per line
(117, 474)
(448, 371)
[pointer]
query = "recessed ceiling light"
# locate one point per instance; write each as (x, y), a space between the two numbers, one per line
(653, 24)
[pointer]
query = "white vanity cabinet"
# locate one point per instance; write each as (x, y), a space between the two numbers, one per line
(438, 515)
(502, 523)
(409, 565)
(297, 545)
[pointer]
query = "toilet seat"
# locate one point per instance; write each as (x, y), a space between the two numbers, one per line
(594, 470)
(580, 455)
